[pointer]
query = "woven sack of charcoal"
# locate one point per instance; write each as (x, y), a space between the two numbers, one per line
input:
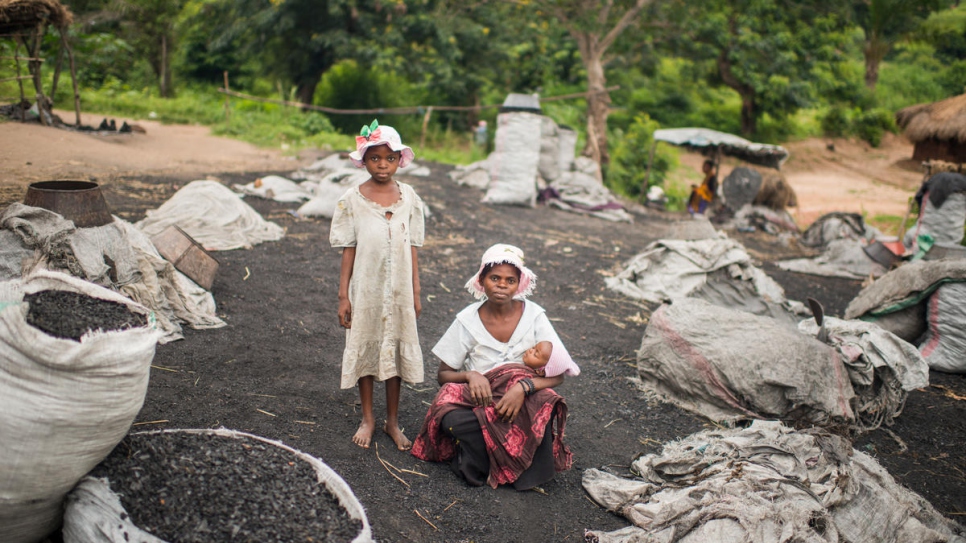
(74, 366)
(212, 486)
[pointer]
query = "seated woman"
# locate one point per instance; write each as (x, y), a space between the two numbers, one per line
(702, 196)
(493, 417)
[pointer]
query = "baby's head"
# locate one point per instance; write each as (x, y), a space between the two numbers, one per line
(536, 357)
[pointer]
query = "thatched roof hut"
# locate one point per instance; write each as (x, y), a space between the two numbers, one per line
(938, 130)
(19, 16)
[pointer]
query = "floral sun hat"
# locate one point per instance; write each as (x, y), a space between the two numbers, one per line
(374, 135)
(502, 253)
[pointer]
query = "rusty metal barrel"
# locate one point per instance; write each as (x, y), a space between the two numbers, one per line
(79, 201)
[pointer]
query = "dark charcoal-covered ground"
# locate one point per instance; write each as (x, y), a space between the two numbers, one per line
(274, 370)
(197, 488)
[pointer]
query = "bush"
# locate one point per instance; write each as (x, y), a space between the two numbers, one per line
(836, 122)
(872, 124)
(629, 159)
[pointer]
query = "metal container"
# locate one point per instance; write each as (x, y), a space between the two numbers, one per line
(882, 254)
(187, 255)
(79, 201)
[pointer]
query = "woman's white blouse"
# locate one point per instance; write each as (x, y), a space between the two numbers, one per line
(468, 346)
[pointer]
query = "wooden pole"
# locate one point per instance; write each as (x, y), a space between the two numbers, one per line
(647, 173)
(57, 66)
(35, 71)
(16, 56)
(227, 101)
(73, 78)
(164, 66)
(422, 136)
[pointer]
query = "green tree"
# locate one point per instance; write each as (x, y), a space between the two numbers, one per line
(299, 40)
(766, 50)
(595, 26)
(883, 23)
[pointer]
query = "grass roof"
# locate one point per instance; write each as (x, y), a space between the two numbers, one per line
(18, 16)
(944, 120)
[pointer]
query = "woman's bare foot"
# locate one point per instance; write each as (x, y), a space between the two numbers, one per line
(402, 442)
(363, 435)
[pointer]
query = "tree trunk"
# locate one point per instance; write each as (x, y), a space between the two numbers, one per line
(874, 49)
(598, 99)
(305, 90)
(163, 68)
(749, 113)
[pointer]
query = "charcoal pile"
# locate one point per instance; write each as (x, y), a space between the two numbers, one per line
(70, 315)
(198, 487)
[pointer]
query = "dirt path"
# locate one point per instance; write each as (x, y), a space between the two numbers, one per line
(30, 153)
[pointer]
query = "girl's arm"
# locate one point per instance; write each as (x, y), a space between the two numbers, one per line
(479, 385)
(509, 405)
(417, 303)
(345, 308)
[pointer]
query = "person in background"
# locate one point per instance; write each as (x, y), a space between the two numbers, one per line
(702, 195)
(379, 224)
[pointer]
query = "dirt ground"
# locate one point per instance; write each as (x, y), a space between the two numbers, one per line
(273, 371)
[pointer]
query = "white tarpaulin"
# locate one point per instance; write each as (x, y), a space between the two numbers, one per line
(762, 154)
(117, 256)
(729, 365)
(764, 484)
(212, 215)
(843, 257)
(717, 269)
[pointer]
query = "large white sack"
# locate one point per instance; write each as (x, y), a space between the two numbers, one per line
(945, 223)
(94, 513)
(549, 164)
(944, 346)
(64, 404)
(214, 216)
(897, 300)
(729, 365)
(567, 147)
(514, 161)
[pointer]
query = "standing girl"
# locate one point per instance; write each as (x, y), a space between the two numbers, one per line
(379, 225)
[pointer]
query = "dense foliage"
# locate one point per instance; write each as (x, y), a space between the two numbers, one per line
(766, 69)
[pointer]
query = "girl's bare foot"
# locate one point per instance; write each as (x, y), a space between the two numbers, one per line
(402, 442)
(363, 435)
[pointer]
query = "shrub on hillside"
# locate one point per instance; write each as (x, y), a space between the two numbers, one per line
(629, 159)
(870, 125)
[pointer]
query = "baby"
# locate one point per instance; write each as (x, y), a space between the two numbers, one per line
(540, 359)
(536, 357)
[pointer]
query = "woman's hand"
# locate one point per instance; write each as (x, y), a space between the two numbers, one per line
(509, 405)
(479, 388)
(345, 313)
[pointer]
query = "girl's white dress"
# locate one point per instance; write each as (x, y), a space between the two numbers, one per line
(382, 341)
